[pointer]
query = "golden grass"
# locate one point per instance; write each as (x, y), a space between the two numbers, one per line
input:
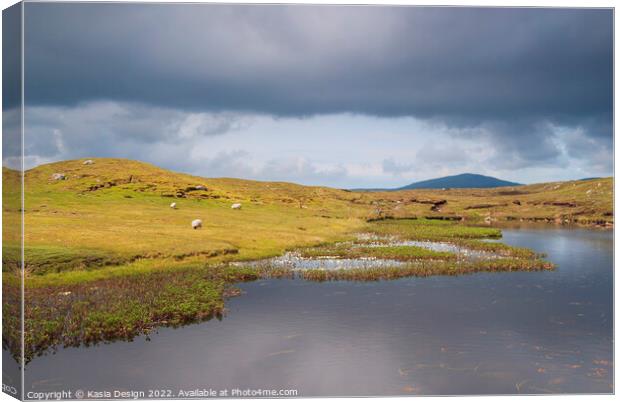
(127, 215)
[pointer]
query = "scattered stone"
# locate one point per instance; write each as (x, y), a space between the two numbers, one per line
(88, 162)
(432, 202)
(59, 176)
(561, 204)
(443, 217)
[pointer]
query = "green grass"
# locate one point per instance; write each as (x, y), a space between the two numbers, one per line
(41, 260)
(434, 230)
(428, 268)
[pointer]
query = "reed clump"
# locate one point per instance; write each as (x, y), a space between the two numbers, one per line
(424, 269)
(83, 313)
(500, 249)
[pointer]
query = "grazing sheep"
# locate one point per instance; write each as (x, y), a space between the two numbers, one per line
(196, 223)
(88, 162)
(196, 188)
(173, 205)
(236, 206)
(59, 176)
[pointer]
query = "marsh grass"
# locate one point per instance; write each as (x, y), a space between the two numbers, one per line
(64, 310)
(500, 249)
(401, 253)
(83, 313)
(426, 268)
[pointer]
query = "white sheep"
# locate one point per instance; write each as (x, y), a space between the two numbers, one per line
(196, 223)
(236, 206)
(88, 162)
(173, 205)
(59, 176)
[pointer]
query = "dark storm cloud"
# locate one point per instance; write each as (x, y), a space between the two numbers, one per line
(530, 85)
(466, 64)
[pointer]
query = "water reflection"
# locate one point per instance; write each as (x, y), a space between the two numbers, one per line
(518, 332)
(294, 261)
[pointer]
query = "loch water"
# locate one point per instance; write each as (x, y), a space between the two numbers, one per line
(485, 333)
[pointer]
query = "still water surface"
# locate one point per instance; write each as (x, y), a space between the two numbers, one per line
(527, 332)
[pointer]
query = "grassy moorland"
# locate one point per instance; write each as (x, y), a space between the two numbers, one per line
(107, 258)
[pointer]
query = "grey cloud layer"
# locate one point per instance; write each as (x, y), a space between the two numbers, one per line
(217, 144)
(112, 129)
(462, 63)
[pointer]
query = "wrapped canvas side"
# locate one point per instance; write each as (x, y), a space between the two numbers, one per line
(12, 200)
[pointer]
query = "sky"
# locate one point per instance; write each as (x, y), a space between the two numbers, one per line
(343, 96)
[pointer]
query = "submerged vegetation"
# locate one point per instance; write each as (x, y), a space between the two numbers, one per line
(107, 258)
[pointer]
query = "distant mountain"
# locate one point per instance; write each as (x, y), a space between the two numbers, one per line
(465, 180)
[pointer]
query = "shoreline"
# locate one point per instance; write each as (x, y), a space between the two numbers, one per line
(72, 313)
